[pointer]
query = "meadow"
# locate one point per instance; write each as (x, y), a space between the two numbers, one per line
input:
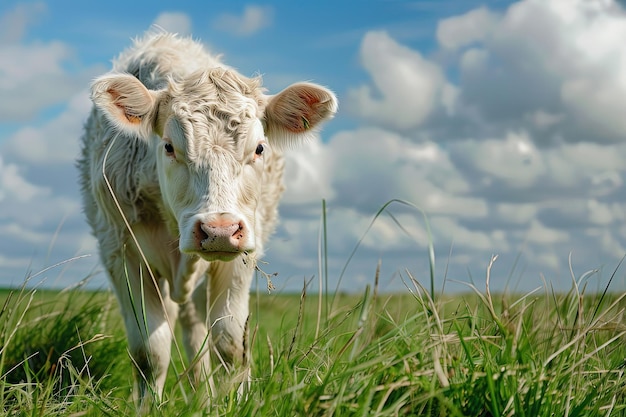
(414, 353)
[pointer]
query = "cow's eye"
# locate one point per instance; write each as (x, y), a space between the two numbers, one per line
(169, 149)
(259, 149)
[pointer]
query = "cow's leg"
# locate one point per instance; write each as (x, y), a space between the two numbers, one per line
(149, 320)
(190, 270)
(195, 335)
(228, 311)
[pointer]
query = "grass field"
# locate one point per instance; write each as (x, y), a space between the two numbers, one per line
(540, 354)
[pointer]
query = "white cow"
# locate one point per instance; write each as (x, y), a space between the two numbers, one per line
(181, 173)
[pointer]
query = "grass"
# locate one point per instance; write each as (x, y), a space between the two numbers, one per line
(331, 354)
(476, 354)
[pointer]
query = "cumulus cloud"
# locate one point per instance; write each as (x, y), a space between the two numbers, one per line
(31, 218)
(560, 63)
(520, 164)
(513, 169)
(26, 85)
(307, 176)
(408, 87)
(56, 142)
(13, 24)
(513, 160)
(23, 201)
(254, 19)
(174, 22)
(458, 31)
(14, 186)
(371, 166)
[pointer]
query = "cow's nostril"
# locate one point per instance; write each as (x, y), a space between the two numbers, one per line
(219, 235)
(199, 234)
(239, 232)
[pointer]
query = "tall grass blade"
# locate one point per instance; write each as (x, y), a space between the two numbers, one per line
(383, 209)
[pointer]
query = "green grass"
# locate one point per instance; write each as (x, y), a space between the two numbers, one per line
(476, 354)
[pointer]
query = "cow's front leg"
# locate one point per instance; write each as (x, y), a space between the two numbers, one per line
(189, 271)
(195, 335)
(149, 316)
(228, 311)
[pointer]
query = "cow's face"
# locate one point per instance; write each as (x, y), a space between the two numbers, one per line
(216, 132)
(210, 162)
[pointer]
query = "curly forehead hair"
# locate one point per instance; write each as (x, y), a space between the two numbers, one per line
(218, 101)
(218, 89)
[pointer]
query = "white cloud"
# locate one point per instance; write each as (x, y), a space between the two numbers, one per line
(528, 180)
(410, 87)
(458, 31)
(19, 64)
(26, 85)
(540, 234)
(608, 242)
(174, 22)
(598, 105)
(512, 168)
(15, 231)
(474, 59)
(35, 75)
(14, 263)
(14, 23)
(370, 166)
(448, 229)
(57, 141)
(307, 174)
(13, 187)
(514, 159)
(561, 62)
(253, 20)
(517, 214)
(30, 216)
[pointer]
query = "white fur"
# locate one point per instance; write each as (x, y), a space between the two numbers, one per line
(142, 201)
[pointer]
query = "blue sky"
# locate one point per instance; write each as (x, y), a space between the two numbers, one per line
(503, 121)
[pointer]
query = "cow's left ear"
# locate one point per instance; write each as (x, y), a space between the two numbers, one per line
(296, 112)
(127, 103)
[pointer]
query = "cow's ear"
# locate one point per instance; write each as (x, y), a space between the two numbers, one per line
(296, 112)
(127, 103)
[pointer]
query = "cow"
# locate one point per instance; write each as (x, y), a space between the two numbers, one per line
(181, 171)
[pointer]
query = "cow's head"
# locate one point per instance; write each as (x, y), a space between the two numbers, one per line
(215, 130)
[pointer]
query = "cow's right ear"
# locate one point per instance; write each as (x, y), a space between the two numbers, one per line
(127, 103)
(292, 115)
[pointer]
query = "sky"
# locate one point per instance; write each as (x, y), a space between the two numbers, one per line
(484, 127)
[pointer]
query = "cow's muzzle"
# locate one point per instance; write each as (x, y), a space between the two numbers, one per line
(220, 236)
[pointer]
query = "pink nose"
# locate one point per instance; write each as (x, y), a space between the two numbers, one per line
(220, 234)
